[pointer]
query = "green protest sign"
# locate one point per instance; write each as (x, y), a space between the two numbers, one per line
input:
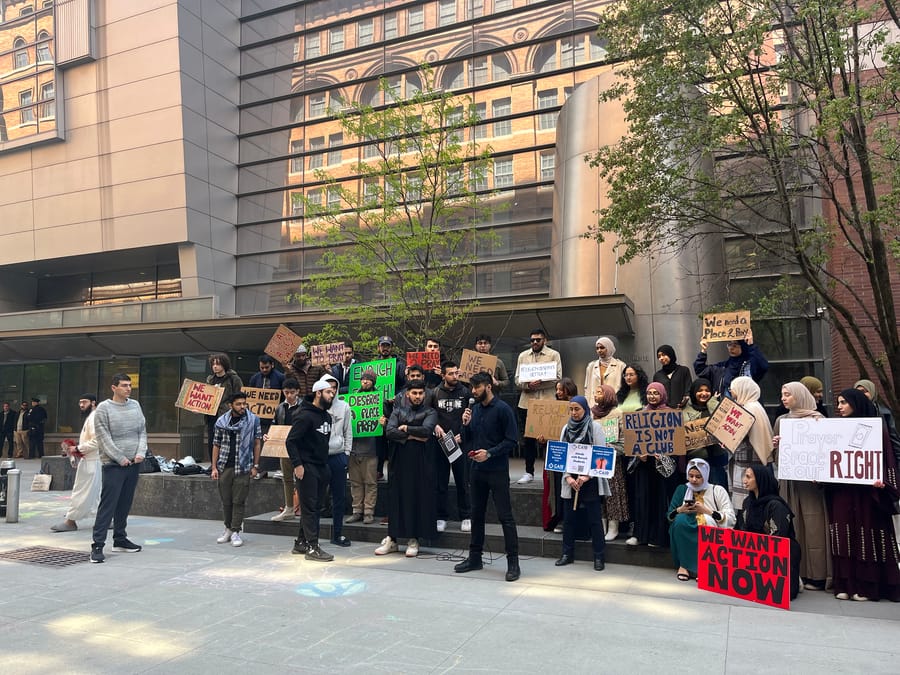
(385, 375)
(366, 408)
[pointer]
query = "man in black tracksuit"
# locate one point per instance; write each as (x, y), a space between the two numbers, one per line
(307, 447)
(451, 398)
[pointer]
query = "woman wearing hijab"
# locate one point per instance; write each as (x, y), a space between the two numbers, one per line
(605, 370)
(551, 501)
(806, 498)
(701, 405)
(582, 429)
(757, 444)
(609, 417)
(673, 376)
(765, 512)
(816, 388)
(868, 388)
(651, 490)
(695, 503)
(744, 360)
(863, 544)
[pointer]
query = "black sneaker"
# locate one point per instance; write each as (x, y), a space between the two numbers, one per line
(317, 554)
(470, 564)
(97, 554)
(300, 547)
(125, 546)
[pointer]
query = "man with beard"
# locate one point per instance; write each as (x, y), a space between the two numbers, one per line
(86, 488)
(307, 447)
(490, 430)
(411, 508)
(533, 390)
(385, 352)
(237, 443)
(451, 398)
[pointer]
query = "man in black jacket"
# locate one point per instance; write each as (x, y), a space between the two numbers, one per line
(37, 418)
(307, 446)
(451, 398)
(7, 428)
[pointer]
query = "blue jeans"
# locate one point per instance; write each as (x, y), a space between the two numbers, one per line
(119, 484)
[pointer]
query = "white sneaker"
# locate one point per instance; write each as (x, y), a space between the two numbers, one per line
(388, 545)
(859, 598)
(278, 474)
(236, 539)
(441, 525)
(526, 478)
(412, 548)
(465, 525)
(632, 541)
(286, 514)
(226, 537)
(842, 596)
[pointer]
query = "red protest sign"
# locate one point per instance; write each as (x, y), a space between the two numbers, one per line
(428, 360)
(745, 565)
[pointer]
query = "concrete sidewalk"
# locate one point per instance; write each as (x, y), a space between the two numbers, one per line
(188, 605)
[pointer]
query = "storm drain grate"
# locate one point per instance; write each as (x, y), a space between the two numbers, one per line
(44, 555)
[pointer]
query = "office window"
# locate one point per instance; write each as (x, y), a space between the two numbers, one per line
(313, 45)
(21, 54)
(548, 165)
(479, 66)
(334, 152)
(365, 32)
(455, 135)
(370, 189)
(334, 198)
(43, 48)
(316, 145)
(481, 130)
(296, 204)
(414, 188)
(316, 105)
(455, 183)
(502, 5)
(296, 162)
(503, 172)
(314, 197)
(547, 99)
(415, 19)
(499, 108)
(336, 40)
(446, 12)
(26, 98)
(25, 11)
(474, 9)
(479, 181)
(390, 26)
(48, 109)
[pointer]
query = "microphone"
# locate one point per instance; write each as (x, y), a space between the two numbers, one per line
(471, 402)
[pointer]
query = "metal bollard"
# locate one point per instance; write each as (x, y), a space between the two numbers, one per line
(13, 484)
(4, 468)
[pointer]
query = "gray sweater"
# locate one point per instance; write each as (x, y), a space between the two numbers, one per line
(121, 431)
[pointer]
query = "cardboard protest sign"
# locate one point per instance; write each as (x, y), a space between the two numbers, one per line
(596, 461)
(475, 362)
(537, 372)
(262, 402)
(325, 355)
(726, 326)
(729, 423)
(274, 445)
(745, 565)
(654, 432)
(199, 397)
(385, 376)
(610, 428)
(835, 450)
(695, 436)
(428, 360)
(366, 409)
(546, 418)
(283, 344)
(451, 448)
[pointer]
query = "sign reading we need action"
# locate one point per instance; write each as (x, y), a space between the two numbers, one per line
(831, 450)
(745, 565)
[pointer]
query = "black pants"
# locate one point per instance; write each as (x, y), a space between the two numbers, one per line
(7, 437)
(35, 444)
(442, 483)
(594, 511)
(311, 490)
(119, 484)
(496, 483)
(337, 483)
(529, 445)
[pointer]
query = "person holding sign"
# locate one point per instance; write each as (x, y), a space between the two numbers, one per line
(605, 412)
(765, 512)
(363, 469)
(451, 398)
(701, 405)
(284, 415)
(757, 445)
(534, 388)
(581, 488)
(483, 345)
(805, 498)
(744, 359)
(222, 376)
(695, 503)
(863, 543)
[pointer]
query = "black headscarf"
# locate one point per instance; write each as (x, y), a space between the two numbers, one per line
(669, 368)
(862, 406)
(755, 505)
(695, 387)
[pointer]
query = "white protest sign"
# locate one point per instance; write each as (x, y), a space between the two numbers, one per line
(537, 372)
(835, 450)
(596, 461)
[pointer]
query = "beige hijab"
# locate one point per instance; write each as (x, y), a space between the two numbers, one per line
(804, 402)
(746, 393)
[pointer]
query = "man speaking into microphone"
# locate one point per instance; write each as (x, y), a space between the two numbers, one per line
(450, 400)
(489, 429)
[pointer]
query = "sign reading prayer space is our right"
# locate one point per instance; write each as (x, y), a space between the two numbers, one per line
(831, 450)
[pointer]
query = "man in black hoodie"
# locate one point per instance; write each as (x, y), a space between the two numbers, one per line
(451, 398)
(307, 446)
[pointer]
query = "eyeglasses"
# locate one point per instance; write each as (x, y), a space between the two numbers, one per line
(537, 339)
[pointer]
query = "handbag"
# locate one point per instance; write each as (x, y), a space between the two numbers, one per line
(665, 465)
